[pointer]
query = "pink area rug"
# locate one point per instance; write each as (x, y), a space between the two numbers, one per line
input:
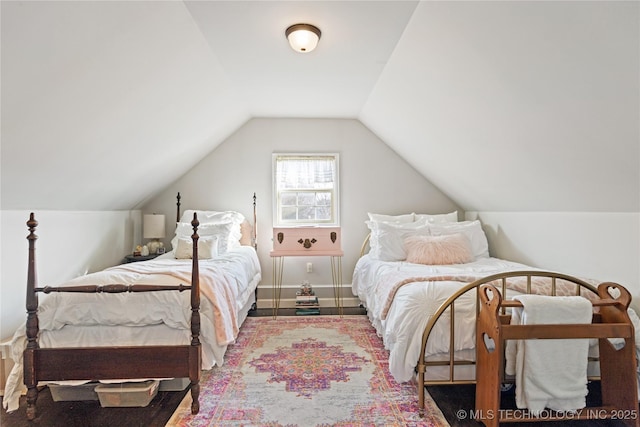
(306, 371)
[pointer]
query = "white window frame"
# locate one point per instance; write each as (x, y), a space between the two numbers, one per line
(334, 219)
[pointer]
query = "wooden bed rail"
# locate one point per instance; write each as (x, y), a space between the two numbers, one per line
(617, 366)
(112, 288)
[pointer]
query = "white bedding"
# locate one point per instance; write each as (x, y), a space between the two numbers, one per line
(227, 283)
(402, 325)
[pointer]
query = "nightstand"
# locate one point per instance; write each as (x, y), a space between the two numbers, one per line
(132, 258)
(306, 241)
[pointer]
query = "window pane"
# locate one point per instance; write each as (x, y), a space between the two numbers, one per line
(306, 199)
(323, 199)
(323, 213)
(306, 213)
(289, 199)
(289, 213)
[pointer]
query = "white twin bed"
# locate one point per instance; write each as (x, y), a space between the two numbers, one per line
(112, 310)
(420, 269)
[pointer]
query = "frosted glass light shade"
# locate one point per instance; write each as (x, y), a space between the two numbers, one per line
(303, 38)
(153, 227)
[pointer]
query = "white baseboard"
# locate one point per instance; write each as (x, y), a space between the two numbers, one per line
(324, 292)
(324, 302)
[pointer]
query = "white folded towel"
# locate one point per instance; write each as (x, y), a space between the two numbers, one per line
(550, 373)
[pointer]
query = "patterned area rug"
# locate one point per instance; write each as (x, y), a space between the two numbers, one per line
(306, 371)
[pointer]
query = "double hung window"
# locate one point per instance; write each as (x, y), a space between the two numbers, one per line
(305, 189)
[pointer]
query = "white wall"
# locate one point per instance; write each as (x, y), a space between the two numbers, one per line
(372, 178)
(69, 244)
(601, 246)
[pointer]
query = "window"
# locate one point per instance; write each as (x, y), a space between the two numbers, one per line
(305, 187)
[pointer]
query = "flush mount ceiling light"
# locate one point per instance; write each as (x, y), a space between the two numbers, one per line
(303, 38)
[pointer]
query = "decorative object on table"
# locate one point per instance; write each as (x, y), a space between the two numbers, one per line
(161, 250)
(306, 300)
(144, 251)
(305, 289)
(153, 227)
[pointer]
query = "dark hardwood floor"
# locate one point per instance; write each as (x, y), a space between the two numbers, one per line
(91, 414)
(456, 403)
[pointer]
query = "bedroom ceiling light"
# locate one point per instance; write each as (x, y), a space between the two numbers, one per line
(303, 38)
(153, 228)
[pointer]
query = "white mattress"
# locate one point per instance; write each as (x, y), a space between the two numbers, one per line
(150, 318)
(415, 303)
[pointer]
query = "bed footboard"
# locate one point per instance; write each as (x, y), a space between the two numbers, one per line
(101, 363)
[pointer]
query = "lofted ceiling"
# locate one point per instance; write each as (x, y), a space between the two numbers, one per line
(505, 106)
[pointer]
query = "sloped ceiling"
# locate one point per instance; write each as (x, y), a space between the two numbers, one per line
(507, 106)
(518, 106)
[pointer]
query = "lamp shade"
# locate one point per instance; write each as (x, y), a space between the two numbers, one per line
(153, 226)
(303, 38)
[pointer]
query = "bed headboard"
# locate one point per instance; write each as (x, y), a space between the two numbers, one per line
(253, 228)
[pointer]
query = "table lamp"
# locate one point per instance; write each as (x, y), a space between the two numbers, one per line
(153, 228)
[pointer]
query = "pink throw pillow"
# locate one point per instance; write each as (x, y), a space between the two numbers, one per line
(439, 250)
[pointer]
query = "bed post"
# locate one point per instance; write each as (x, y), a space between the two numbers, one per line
(255, 224)
(178, 207)
(195, 351)
(254, 241)
(30, 377)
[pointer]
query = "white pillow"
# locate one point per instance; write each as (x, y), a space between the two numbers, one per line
(391, 218)
(439, 218)
(387, 238)
(223, 230)
(375, 218)
(472, 229)
(213, 217)
(207, 247)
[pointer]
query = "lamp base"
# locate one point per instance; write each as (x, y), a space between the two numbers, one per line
(154, 245)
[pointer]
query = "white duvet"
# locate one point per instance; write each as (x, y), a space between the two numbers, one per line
(227, 286)
(401, 322)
